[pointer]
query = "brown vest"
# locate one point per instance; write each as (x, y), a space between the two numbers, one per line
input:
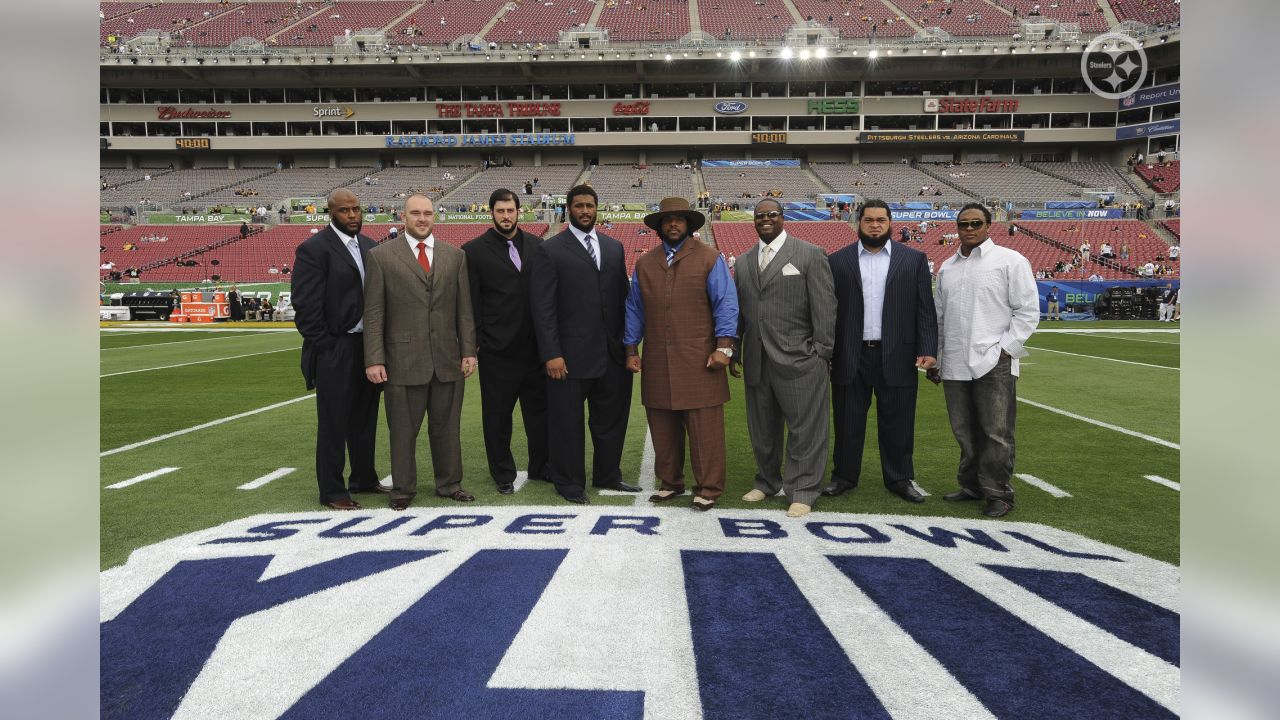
(679, 330)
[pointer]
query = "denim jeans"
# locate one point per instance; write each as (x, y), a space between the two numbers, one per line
(982, 414)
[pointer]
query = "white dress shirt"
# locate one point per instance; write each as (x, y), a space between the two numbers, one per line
(774, 247)
(586, 238)
(352, 245)
(874, 267)
(987, 302)
(430, 249)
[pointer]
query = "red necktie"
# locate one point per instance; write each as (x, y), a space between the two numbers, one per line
(422, 257)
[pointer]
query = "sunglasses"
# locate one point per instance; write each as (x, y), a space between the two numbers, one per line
(772, 214)
(970, 224)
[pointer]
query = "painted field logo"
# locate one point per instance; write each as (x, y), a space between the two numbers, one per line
(620, 613)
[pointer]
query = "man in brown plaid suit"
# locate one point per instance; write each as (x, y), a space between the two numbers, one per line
(683, 305)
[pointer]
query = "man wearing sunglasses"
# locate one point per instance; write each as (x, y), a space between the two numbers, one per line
(988, 306)
(886, 328)
(786, 323)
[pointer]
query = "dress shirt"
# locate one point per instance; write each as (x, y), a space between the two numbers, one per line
(352, 245)
(775, 247)
(588, 238)
(720, 291)
(874, 267)
(430, 240)
(987, 302)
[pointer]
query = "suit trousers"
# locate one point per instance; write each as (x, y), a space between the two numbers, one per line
(982, 413)
(608, 399)
(895, 424)
(504, 379)
(441, 402)
(801, 407)
(705, 427)
(346, 419)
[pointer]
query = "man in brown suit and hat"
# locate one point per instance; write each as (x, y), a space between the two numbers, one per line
(682, 304)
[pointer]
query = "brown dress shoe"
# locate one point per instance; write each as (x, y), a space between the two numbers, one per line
(343, 505)
(460, 496)
(399, 503)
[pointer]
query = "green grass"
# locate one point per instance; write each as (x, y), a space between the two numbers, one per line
(1103, 469)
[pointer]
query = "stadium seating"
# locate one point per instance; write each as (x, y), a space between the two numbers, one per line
(533, 21)
(553, 179)
(168, 188)
(165, 17)
(1090, 174)
(258, 20)
(1086, 13)
(338, 17)
(274, 187)
(1143, 241)
(736, 238)
(965, 18)
(891, 182)
(1151, 12)
(1173, 225)
(461, 18)
(645, 20)
(386, 184)
(180, 239)
(1006, 181)
(613, 182)
(1164, 178)
(745, 19)
(856, 21)
(733, 183)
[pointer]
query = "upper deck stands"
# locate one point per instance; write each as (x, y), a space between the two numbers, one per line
(539, 22)
(645, 20)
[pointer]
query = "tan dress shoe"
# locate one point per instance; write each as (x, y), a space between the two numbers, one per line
(755, 495)
(798, 510)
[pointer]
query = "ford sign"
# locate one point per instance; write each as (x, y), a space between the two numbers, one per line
(731, 107)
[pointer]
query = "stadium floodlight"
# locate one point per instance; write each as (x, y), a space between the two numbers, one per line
(785, 54)
(735, 56)
(719, 54)
(651, 55)
(820, 53)
(889, 51)
(943, 53)
(873, 54)
(668, 57)
(804, 54)
(751, 54)
(686, 54)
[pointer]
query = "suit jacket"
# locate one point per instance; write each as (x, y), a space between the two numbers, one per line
(785, 315)
(500, 293)
(328, 296)
(578, 311)
(416, 323)
(909, 321)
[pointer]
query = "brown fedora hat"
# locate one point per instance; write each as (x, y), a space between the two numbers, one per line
(675, 206)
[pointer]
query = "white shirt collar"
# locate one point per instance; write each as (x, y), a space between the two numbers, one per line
(776, 245)
(887, 249)
(982, 249)
(430, 240)
(345, 238)
(583, 235)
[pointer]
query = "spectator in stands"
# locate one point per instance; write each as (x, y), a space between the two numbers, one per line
(1174, 252)
(273, 270)
(1095, 277)
(1106, 252)
(683, 384)
(244, 230)
(983, 327)
(785, 350)
(1124, 252)
(1085, 249)
(886, 331)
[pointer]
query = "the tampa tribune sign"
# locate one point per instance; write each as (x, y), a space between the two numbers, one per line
(632, 613)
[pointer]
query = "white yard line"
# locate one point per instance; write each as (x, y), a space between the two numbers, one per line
(1164, 481)
(166, 327)
(169, 342)
(1128, 339)
(273, 475)
(1121, 331)
(201, 426)
(139, 478)
(198, 362)
(1034, 481)
(1099, 423)
(1098, 357)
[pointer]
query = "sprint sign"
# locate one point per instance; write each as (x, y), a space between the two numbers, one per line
(624, 613)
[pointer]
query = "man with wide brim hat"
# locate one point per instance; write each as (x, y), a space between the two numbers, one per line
(674, 206)
(683, 305)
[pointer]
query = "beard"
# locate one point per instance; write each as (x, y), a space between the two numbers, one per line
(584, 228)
(875, 241)
(505, 232)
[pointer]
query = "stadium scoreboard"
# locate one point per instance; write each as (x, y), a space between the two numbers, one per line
(192, 143)
(768, 138)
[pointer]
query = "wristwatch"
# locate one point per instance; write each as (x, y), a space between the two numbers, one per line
(728, 352)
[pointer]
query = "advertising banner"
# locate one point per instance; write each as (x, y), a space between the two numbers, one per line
(1164, 127)
(911, 206)
(751, 163)
(209, 219)
(965, 136)
(445, 216)
(1077, 297)
(1094, 214)
(918, 215)
(323, 218)
(1069, 204)
(1152, 96)
(480, 140)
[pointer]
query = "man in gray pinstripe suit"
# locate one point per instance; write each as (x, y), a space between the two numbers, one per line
(786, 330)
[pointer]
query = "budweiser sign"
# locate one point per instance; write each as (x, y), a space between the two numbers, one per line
(168, 112)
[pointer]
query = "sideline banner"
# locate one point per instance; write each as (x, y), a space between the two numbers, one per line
(208, 219)
(1076, 297)
(323, 218)
(750, 163)
(1094, 214)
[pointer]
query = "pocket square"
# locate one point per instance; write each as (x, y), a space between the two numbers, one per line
(790, 269)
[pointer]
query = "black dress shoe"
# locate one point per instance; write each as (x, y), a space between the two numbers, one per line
(619, 486)
(577, 499)
(836, 489)
(908, 493)
(399, 503)
(374, 488)
(506, 489)
(960, 495)
(997, 508)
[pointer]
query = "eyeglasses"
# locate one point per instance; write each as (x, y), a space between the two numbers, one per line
(970, 224)
(772, 214)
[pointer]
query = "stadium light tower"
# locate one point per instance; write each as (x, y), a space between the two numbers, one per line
(735, 56)
(785, 54)
(804, 54)
(820, 53)
(668, 57)
(873, 54)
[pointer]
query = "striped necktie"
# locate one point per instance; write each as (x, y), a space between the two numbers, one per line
(591, 250)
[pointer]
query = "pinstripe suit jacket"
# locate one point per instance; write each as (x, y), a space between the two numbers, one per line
(787, 318)
(909, 323)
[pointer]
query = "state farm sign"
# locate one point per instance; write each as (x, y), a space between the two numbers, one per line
(970, 105)
(168, 112)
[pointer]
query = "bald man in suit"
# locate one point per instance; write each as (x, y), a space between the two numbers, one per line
(420, 343)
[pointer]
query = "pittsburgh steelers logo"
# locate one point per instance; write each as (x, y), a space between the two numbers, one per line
(1113, 66)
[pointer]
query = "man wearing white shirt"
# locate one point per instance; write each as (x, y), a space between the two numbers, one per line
(988, 307)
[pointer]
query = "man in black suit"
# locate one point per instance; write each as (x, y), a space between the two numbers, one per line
(578, 291)
(886, 327)
(510, 368)
(328, 296)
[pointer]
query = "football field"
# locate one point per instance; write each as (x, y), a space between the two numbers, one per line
(201, 426)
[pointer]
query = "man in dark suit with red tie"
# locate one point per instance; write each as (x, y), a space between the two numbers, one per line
(510, 368)
(886, 328)
(328, 296)
(578, 291)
